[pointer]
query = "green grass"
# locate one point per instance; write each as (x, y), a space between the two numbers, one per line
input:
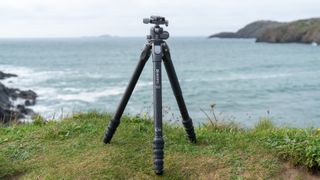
(73, 149)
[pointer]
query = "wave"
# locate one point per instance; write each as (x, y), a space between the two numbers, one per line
(29, 78)
(235, 77)
(144, 83)
(90, 96)
(52, 97)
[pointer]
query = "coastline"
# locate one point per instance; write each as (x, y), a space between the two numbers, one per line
(305, 31)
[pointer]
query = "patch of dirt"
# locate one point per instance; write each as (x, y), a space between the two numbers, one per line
(14, 176)
(291, 173)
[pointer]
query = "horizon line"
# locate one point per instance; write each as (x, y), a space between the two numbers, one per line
(99, 36)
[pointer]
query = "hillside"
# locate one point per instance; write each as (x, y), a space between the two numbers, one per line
(300, 31)
(73, 149)
(303, 31)
(252, 30)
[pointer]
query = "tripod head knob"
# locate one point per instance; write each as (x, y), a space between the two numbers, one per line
(157, 20)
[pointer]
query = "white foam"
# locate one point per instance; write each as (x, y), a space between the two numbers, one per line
(90, 96)
(93, 76)
(40, 108)
(26, 119)
(16, 70)
(72, 89)
(254, 76)
(144, 83)
(17, 101)
(45, 92)
(234, 77)
(29, 78)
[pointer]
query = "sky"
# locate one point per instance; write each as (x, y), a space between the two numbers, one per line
(74, 18)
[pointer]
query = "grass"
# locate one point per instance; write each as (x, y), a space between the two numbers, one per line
(73, 149)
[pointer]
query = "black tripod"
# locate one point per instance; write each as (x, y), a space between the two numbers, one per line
(160, 51)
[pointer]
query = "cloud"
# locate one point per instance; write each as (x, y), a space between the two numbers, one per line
(39, 18)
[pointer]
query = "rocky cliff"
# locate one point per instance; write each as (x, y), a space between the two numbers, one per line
(13, 101)
(300, 31)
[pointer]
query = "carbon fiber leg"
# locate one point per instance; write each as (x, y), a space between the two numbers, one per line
(114, 123)
(187, 121)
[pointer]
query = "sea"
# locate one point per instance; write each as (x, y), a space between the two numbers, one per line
(236, 80)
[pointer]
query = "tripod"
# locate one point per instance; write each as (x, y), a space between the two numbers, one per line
(159, 49)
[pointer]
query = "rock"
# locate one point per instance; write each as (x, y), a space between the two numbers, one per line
(9, 111)
(4, 97)
(29, 102)
(6, 75)
(6, 112)
(24, 111)
(17, 93)
(8, 115)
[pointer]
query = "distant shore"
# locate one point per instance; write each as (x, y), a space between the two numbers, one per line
(300, 31)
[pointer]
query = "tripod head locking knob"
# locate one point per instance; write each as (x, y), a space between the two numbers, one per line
(157, 20)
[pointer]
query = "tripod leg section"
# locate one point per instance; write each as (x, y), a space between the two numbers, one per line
(158, 143)
(114, 123)
(187, 121)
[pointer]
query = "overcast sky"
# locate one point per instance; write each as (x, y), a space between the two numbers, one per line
(72, 18)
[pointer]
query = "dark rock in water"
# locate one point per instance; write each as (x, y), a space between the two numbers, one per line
(24, 111)
(7, 115)
(30, 102)
(4, 96)
(6, 75)
(17, 93)
(11, 112)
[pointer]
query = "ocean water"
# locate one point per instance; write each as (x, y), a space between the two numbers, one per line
(246, 80)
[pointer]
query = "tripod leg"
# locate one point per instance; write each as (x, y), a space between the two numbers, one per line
(187, 121)
(114, 123)
(158, 142)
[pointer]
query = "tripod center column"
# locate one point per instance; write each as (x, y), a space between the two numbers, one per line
(158, 143)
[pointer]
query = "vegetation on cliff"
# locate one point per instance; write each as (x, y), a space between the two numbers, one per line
(303, 31)
(252, 30)
(73, 149)
(300, 31)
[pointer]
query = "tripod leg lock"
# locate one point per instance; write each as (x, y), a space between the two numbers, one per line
(188, 125)
(114, 123)
(158, 145)
(145, 54)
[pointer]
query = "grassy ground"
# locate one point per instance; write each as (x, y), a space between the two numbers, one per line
(73, 149)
